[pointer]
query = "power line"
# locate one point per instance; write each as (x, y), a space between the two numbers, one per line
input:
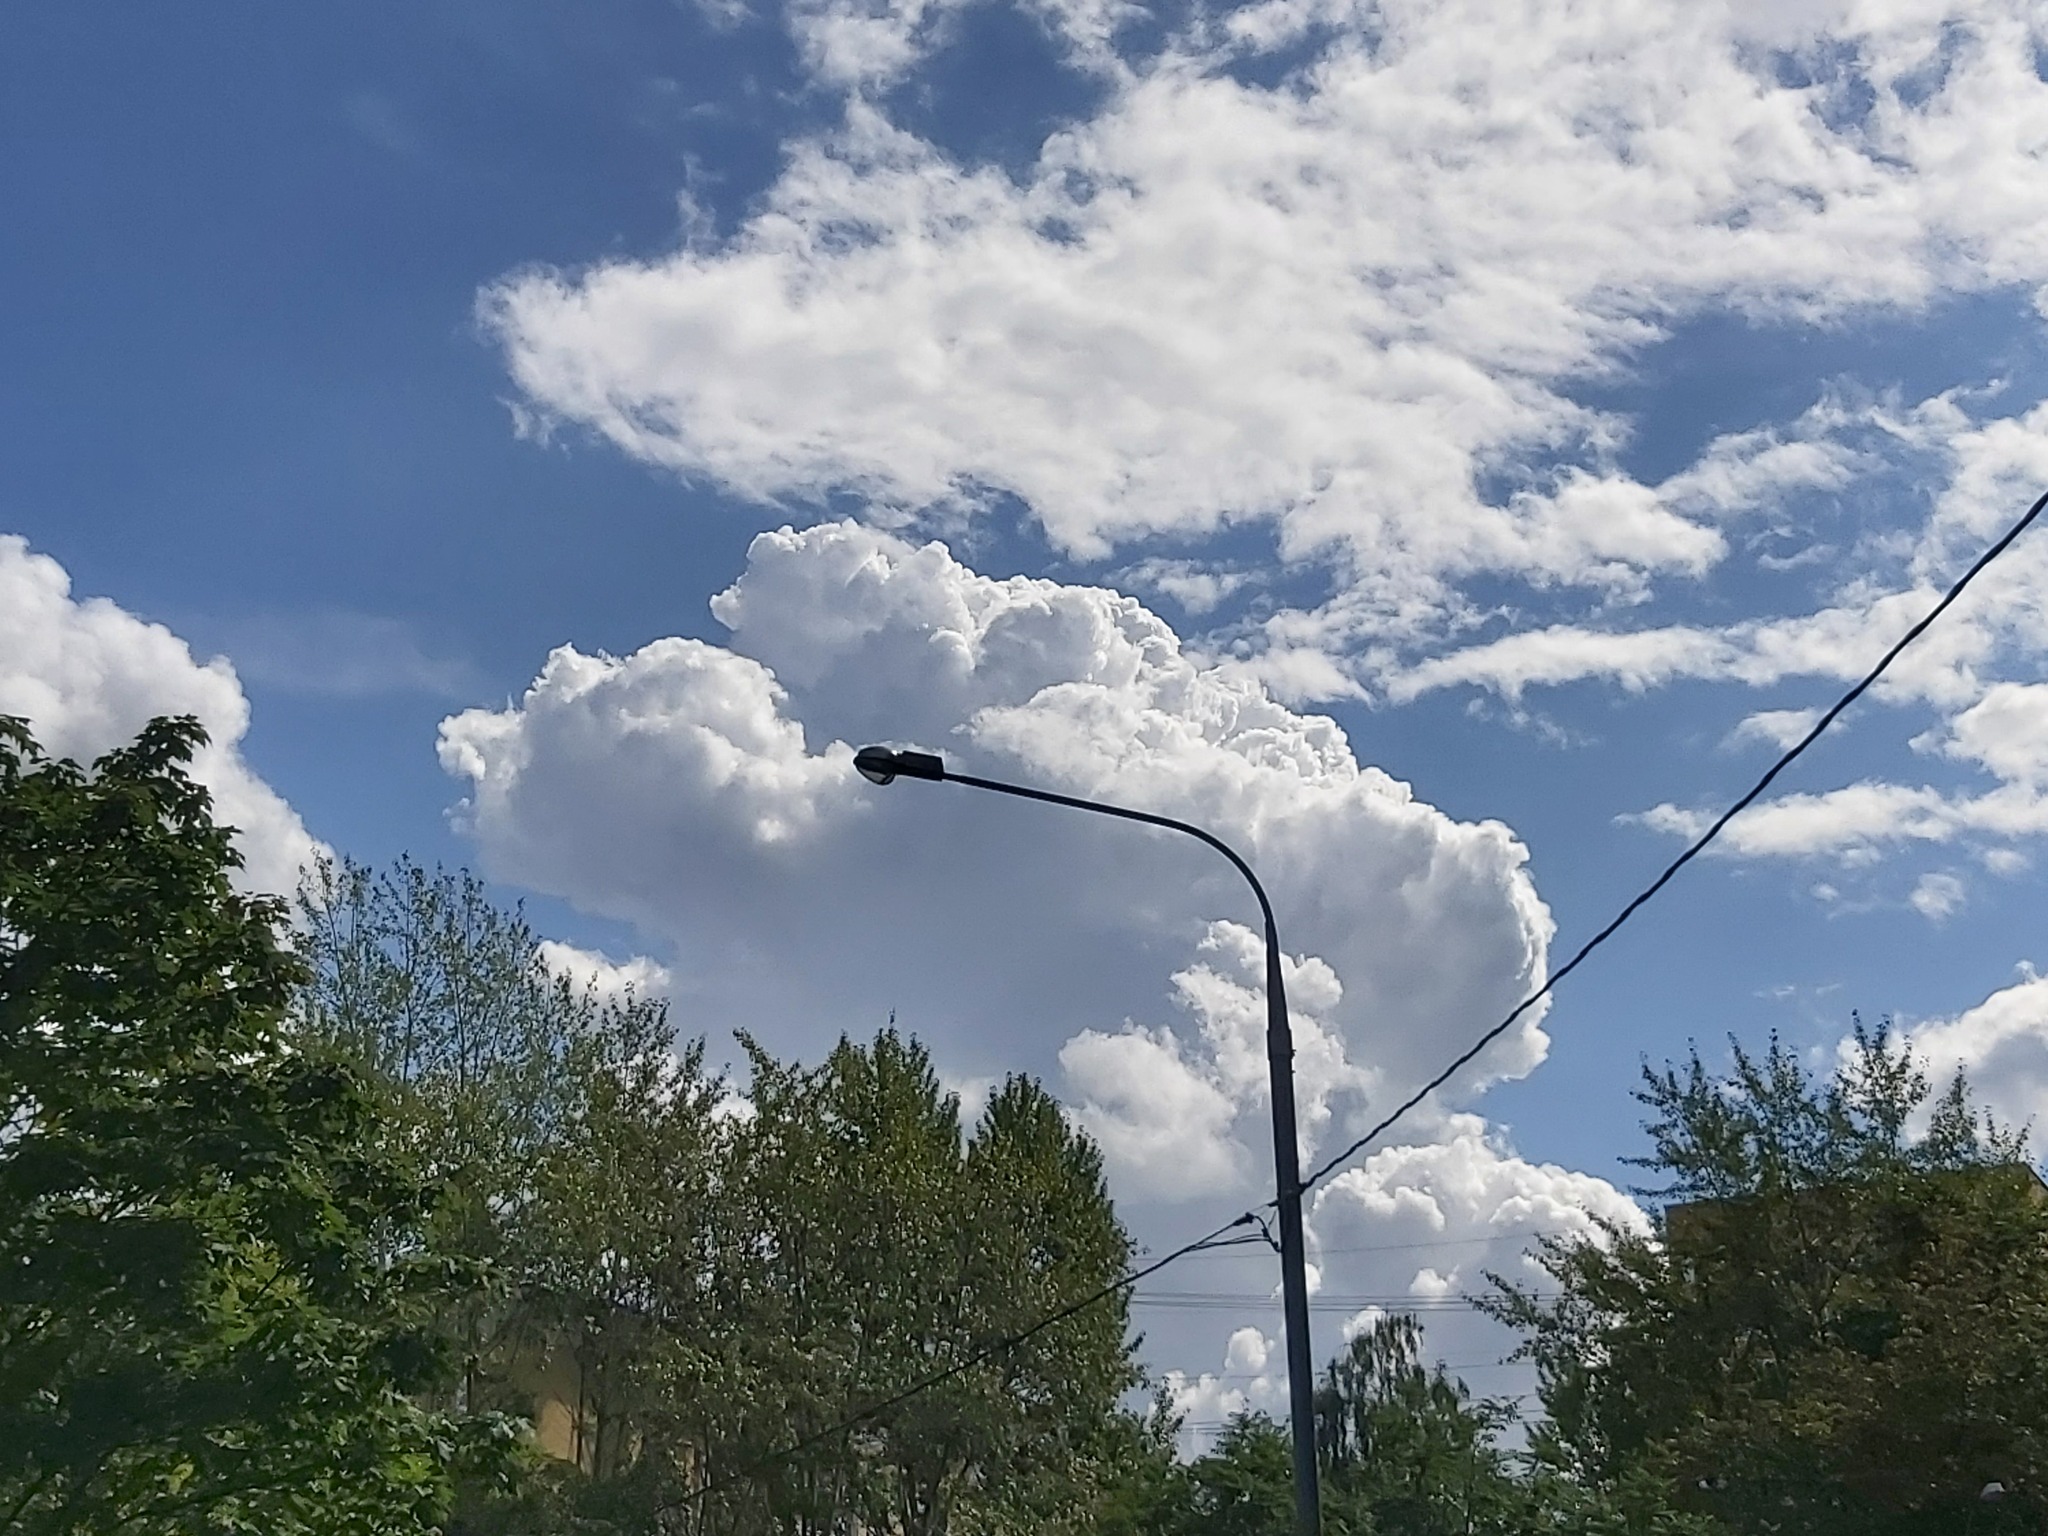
(1327, 1250)
(1692, 852)
(1232, 1301)
(1249, 1218)
(1449, 1242)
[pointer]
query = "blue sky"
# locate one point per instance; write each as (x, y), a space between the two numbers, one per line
(383, 351)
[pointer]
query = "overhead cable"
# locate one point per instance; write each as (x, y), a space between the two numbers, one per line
(1692, 851)
(1131, 1278)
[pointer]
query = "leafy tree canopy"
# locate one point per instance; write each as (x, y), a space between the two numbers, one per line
(208, 1297)
(1840, 1322)
(722, 1277)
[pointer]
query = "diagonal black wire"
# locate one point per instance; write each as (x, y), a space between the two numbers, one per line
(1251, 1218)
(1692, 852)
(981, 1356)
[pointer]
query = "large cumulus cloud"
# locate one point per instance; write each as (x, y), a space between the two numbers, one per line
(706, 794)
(87, 675)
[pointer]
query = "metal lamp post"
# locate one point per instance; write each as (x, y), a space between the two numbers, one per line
(880, 765)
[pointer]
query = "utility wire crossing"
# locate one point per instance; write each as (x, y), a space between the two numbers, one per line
(1217, 1239)
(1692, 852)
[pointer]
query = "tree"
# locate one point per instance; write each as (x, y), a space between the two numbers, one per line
(1406, 1449)
(569, 1139)
(1403, 1451)
(1838, 1325)
(876, 1249)
(731, 1278)
(208, 1305)
(1242, 1486)
(1046, 1235)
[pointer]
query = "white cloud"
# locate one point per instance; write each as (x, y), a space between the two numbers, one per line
(1430, 1220)
(87, 675)
(1163, 1123)
(1421, 1227)
(1843, 642)
(2002, 1044)
(863, 46)
(608, 978)
(1952, 668)
(680, 727)
(1989, 472)
(1414, 1228)
(706, 794)
(1566, 653)
(1937, 895)
(2007, 732)
(1860, 822)
(1253, 1380)
(973, 1092)
(1330, 305)
(1780, 728)
(2004, 861)
(1196, 587)
(1179, 1124)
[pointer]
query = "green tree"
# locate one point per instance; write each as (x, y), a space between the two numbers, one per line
(1405, 1448)
(1838, 1325)
(877, 1248)
(1241, 1486)
(208, 1294)
(529, 1105)
(1045, 1234)
(731, 1277)
(571, 1144)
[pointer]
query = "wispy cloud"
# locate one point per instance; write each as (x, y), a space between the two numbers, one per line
(338, 653)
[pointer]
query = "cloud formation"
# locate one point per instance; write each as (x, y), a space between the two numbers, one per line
(1961, 671)
(1339, 306)
(1352, 310)
(2002, 1044)
(1413, 1228)
(706, 794)
(87, 675)
(1320, 277)
(611, 980)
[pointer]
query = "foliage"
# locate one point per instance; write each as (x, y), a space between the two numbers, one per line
(1839, 1325)
(1406, 1449)
(731, 1279)
(208, 1300)
(876, 1249)
(282, 1233)
(1403, 1450)
(569, 1147)
(1242, 1486)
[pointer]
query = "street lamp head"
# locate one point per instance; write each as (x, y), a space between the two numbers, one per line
(876, 764)
(879, 765)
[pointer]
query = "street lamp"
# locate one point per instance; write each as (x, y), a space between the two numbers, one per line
(880, 765)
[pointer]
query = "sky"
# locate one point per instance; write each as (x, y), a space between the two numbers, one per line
(1444, 448)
